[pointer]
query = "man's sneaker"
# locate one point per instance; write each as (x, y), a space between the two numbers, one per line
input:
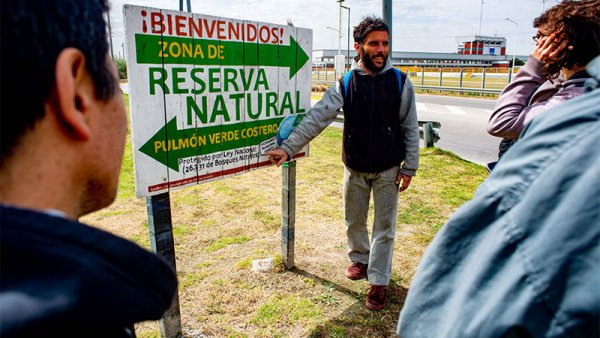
(376, 297)
(357, 271)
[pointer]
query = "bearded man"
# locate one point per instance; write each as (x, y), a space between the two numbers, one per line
(380, 151)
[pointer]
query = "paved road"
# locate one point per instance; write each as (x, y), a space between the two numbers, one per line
(124, 87)
(464, 122)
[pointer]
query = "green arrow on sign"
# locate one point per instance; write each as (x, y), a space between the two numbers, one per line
(156, 49)
(169, 144)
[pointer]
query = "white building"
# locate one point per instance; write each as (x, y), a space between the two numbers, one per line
(481, 45)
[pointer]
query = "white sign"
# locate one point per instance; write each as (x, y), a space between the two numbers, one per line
(208, 95)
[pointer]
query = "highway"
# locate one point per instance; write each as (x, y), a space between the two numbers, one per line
(464, 122)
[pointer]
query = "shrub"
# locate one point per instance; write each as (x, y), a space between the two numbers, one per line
(122, 67)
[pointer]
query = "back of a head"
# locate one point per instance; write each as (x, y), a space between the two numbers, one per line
(368, 25)
(579, 21)
(33, 35)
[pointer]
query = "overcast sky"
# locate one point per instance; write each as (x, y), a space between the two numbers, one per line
(418, 25)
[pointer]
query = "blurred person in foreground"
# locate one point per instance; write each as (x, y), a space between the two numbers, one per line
(567, 38)
(63, 130)
(380, 151)
(522, 258)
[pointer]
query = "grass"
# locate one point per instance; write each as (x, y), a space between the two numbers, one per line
(221, 226)
(189, 279)
(286, 310)
(226, 241)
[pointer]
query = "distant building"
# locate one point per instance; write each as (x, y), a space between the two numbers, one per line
(481, 45)
(473, 51)
(325, 58)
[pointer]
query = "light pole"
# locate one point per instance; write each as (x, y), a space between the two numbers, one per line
(336, 62)
(337, 31)
(348, 45)
(512, 68)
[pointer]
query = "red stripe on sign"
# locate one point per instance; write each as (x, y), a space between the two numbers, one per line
(205, 177)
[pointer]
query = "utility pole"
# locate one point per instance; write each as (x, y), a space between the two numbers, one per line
(189, 6)
(348, 62)
(387, 18)
(112, 56)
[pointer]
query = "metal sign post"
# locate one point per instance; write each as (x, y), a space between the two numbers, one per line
(161, 243)
(160, 225)
(288, 212)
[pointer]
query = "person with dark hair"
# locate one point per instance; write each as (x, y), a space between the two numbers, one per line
(522, 258)
(568, 37)
(380, 151)
(63, 129)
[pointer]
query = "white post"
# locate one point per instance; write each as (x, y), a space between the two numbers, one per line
(340, 29)
(480, 17)
(339, 68)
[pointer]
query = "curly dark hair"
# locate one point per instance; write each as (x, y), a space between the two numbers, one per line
(34, 33)
(368, 25)
(579, 22)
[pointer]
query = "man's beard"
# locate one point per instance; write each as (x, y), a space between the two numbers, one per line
(368, 62)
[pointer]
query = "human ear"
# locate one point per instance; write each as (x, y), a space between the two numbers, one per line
(357, 47)
(74, 93)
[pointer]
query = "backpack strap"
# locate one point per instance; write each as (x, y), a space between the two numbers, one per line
(346, 81)
(401, 79)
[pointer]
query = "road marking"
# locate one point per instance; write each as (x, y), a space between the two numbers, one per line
(421, 107)
(455, 110)
(434, 108)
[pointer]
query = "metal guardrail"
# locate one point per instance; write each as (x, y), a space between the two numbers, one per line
(420, 75)
(460, 89)
(451, 89)
(428, 130)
